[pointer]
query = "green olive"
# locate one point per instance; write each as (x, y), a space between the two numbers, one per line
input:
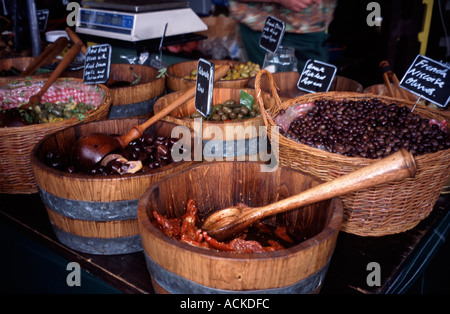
(226, 109)
(231, 103)
(196, 115)
(244, 110)
(216, 108)
(232, 115)
(215, 117)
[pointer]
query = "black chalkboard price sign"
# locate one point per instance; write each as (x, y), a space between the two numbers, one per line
(97, 64)
(204, 87)
(316, 76)
(42, 17)
(428, 79)
(272, 34)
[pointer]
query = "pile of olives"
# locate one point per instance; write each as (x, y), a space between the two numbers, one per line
(367, 129)
(44, 113)
(236, 72)
(150, 150)
(230, 110)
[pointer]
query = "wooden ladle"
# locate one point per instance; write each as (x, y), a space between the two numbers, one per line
(229, 222)
(68, 58)
(91, 148)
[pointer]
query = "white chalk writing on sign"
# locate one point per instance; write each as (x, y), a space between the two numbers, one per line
(272, 31)
(204, 87)
(428, 79)
(272, 34)
(316, 76)
(97, 64)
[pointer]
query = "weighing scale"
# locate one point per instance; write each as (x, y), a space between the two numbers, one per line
(137, 20)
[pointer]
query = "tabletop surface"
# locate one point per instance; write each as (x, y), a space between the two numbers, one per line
(398, 257)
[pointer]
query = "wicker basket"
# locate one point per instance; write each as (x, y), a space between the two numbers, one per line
(387, 209)
(16, 143)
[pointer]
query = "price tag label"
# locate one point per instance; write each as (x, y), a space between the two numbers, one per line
(97, 64)
(428, 79)
(272, 34)
(316, 76)
(42, 17)
(204, 87)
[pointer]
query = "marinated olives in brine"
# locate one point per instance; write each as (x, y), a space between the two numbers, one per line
(230, 110)
(236, 72)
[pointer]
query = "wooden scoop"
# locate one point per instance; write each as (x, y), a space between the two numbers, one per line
(90, 149)
(71, 54)
(229, 222)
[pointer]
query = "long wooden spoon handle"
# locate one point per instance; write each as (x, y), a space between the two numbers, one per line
(46, 56)
(36, 98)
(68, 58)
(138, 130)
(397, 166)
(75, 39)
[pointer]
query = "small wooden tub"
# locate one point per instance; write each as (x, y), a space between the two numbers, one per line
(226, 140)
(177, 267)
(287, 84)
(137, 99)
(21, 63)
(175, 80)
(95, 214)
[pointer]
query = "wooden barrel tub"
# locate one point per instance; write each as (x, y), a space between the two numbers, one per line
(21, 63)
(137, 99)
(176, 267)
(95, 214)
(176, 72)
(227, 140)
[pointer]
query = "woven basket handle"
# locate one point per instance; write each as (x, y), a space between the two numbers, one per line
(267, 118)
